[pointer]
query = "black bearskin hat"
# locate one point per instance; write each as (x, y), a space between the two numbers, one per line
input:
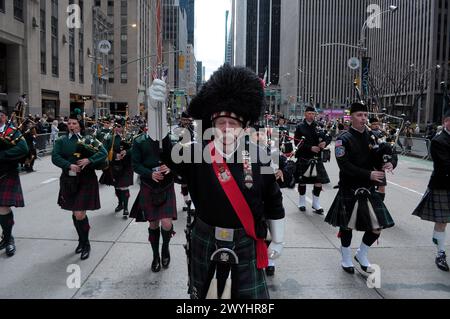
(230, 90)
(358, 107)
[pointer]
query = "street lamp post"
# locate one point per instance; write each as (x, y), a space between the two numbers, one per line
(98, 37)
(361, 47)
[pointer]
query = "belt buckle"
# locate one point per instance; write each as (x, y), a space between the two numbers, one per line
(224, 234)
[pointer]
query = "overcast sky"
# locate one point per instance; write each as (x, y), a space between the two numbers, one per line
(210, 33)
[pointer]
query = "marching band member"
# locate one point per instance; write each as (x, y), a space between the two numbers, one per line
(120, 171)
(234, 194)
(356, 205)
(12, 149)
(79, 190)
(435, 204)
(310, 167)
(156, 201)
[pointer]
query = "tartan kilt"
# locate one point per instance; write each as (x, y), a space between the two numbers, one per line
(11, 190)
(118, 179)
(434, 206)
(87, 196)
(303, 165)
(341, 211)
(144, 210)
(251, 282)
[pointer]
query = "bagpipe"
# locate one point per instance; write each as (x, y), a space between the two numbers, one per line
(11, 134)
(88, 146)
(381, 150)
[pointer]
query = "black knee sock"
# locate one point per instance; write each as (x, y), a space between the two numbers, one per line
(369, 238)
(153, 238)
(184, 190)
(77, 227)
(166, 235)
(317, 190)
(119, 196)
(84, 229)
(7, 222)
(302, 189)
(346, 237)
(125, 197)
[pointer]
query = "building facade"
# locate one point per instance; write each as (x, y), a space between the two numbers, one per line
(44, 54)
(408, 51)
(132, 58)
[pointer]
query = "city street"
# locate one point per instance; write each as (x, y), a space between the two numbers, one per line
(119, 266)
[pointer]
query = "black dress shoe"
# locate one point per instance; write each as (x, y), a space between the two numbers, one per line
(125, 213)
(270, 271)
(349, 270)
(79, 248)
(156, 264)
(302, 208)
(165, 258)
(86, 250)
(441, 262)
(118, 208)
(10, 247)
(364, 268)
(318, 211)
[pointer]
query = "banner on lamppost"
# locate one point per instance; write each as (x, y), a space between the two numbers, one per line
(365, 70)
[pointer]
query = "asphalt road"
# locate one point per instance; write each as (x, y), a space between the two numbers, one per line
(119, 266)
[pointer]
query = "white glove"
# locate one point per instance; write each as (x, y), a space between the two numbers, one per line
(157, 91)
(277, 233)
(157, 117)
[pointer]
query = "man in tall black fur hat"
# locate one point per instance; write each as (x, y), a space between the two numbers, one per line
(13, 148)
(357, 206)
(234, 191)
(435, 204)
(310, 167)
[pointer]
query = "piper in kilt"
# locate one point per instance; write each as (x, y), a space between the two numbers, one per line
(310, 166)
(120, 171)
(435, 204)
(156, 201)
(79, 190)
(13, 148)
(357, 206)
(234, 190)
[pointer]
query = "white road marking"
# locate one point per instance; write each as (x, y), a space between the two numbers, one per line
(408, 189)
(48, 181)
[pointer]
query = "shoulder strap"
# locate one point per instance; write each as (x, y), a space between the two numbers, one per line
(239, 204)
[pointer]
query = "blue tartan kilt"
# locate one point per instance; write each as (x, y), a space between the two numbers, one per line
(302, 167)
(342, 207)
(434, 206)
(248, 282)
(11, 190)
(145, 209)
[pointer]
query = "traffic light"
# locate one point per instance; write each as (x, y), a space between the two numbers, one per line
(181, 60)
(99, 70)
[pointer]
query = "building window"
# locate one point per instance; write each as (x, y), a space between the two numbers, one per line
(55, 53)
(123, 41)
(97, 3)
(18, 10)
(2, 5)
(43, 38)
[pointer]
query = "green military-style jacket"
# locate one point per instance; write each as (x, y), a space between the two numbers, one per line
(10, 156)
(64, 151)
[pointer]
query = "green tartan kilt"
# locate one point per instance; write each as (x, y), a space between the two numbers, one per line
(87, 196)
(303, 165)
(248, 282)
(434, 206)
(341, 211)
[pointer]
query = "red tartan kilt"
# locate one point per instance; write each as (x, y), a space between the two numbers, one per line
(143, 210)
(124, 179)
(11, 190)
(86, 198)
